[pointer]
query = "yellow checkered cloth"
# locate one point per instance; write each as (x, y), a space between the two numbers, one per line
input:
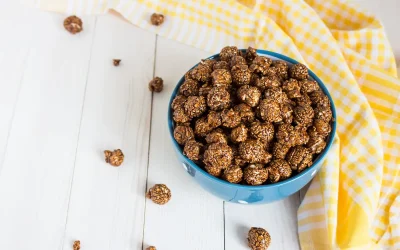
(354, 201)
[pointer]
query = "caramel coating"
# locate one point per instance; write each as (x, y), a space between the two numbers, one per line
(241, 74)
(267, 146)
(201, 73)
(217, 136)
(221, 78)
(157, 19)
(270, 111)
(214, 171)
(237, 160)
(318, 98)
(298, 71)
(188, 75)
(221, 65)
(308, 86)
(180, 116)
(292, 88)
(255, 174)
(249, 95)
(253, 151)
(218, 155)
(316, 144)
(159, 194)
(183, 133)
(258, 239)
(228, 52)
(322, 127)
(266, 82)
(77, 245)
(303, 100)
(271, 71)
(151, 248)
(281, 69)
(299, 158)
(209, 63)
(239, 134)
(251, 53)
(262, 131)
(178, 102)
(245, 112)
(323, 113)
(312, 131)
(279, 150)
(73, 24)
(286, 134)
(260, 65)
(276, 94)
(115, 158)
(230, 118)
(237, 60)
(218, 99)
(287, 112)
(116, 62)
(193, 150)
(202, 127)
(156, 85)
(278, 170)
(189, 87)
(301, 136)
(214, 119)
(205, 89)
(233, 174)
(254, 78)
(195, 106)
(303, 115)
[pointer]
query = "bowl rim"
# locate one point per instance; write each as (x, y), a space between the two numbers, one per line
(313, 167)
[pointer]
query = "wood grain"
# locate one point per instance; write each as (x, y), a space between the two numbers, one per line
(106, 209)
(193, 219)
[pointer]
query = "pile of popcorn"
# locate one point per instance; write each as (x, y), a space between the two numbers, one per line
(248, 119)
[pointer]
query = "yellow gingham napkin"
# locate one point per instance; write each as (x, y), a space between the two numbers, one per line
(354, 201)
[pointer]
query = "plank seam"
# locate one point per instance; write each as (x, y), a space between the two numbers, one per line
(223, 212)
(79, 132)
(149, 142)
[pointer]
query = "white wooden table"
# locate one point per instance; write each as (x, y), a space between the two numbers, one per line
(62, 102)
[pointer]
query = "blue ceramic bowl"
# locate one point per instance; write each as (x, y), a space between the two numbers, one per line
(252, 194)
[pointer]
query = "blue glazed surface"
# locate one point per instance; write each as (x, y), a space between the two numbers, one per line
(252, 194)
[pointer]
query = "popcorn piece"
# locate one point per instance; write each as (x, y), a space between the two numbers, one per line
(159, 194)
(255, 174)
(233, 174)
(258, 239)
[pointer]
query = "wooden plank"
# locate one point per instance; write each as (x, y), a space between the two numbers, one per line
(278, 218)
(13, 57)
(36, 175)
(193, 219)
(106, 209)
